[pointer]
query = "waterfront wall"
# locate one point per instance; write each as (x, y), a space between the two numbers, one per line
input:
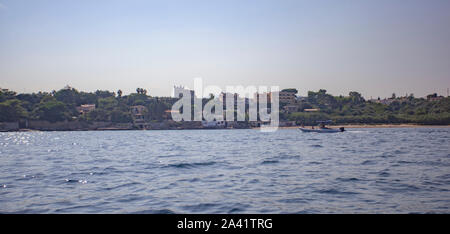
(9, 126)
(75, 125)
(174, 125)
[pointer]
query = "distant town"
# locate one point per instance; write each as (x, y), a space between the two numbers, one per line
(71, 109)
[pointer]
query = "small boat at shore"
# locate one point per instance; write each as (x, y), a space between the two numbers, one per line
(321, 128)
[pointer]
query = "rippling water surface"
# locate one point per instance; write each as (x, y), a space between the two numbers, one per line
(226, 171)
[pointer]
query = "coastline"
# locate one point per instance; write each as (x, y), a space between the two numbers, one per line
(346, 126)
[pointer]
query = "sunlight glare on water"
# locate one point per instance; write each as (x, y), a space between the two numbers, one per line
(226, 171)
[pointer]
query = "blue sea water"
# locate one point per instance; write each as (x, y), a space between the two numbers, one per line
(403, 170)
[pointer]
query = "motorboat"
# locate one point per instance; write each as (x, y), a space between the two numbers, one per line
(321, 128)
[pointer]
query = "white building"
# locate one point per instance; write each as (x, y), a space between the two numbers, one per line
(178, 90)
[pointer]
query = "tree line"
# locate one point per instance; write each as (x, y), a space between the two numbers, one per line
(354, 108)
(62, 105)
(115, 107)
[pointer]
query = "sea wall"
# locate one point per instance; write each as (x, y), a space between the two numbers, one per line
(175, 125)
(75, 125)
(9, 126)
(287, 124)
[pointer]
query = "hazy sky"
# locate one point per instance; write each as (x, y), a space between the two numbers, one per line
(373, 47)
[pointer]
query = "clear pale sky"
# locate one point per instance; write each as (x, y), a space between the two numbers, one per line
(373, 47)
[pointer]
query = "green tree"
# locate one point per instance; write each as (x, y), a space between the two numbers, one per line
(104, 94)
(119, 116)
(6, 94)
(356, 97)
(11, 110)
(291, 90)
(51, 110)
(98, 115)
(68, 96)
(108, 103)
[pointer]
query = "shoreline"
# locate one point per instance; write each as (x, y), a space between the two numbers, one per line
(346, 126)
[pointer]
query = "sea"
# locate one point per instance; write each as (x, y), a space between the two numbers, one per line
(364, 170)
